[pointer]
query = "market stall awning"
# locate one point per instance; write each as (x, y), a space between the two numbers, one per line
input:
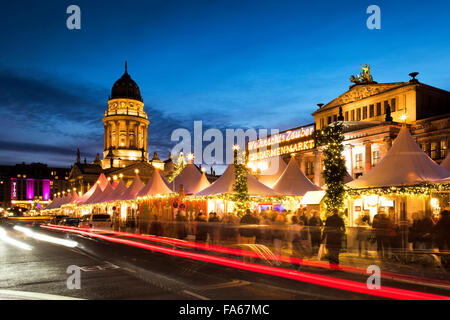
(202, 184)
(225, 185)
(102, 196)
(404, 164)
(276, 164)
(118, 192)
(189, 178)
(133, 189)
(155, 185)
(313, 197)
(446, 162)
(293, 182)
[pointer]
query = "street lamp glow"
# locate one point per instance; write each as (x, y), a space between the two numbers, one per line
(403, 117)
(236, 147)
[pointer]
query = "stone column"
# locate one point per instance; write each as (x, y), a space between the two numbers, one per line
(350, 149)
(105, 136)
(117, 125)
(127, 135)
(145, 138)
(368, 156)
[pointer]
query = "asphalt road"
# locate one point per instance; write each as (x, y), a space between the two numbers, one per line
(118, 271)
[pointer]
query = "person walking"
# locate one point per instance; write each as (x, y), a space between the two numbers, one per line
(441, 232)
(213, 228)
(362, 234)
(247, 234)
(333, 233)
(379, 225)
(424, 232)
(315, 230)
(278, 234)
(200, 228)
(181, 221)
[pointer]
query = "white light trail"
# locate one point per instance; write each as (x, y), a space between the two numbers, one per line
(7, 239)
(43, 237)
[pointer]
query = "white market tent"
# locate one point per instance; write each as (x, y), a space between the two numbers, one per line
(270, 179)
(225, 185)
(404, 164)
(102, 196)
(100, 183)
(118, 192)
(133, 189)
(446, 162)
(56, 203)
(155, 185)
(96, 192)
(202, 184)
(293, 182)
(189, 177)
(313, 197)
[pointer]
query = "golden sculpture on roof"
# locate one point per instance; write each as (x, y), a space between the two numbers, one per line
(364, 76)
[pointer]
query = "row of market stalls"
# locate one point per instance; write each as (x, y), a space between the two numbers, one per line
(405, 180)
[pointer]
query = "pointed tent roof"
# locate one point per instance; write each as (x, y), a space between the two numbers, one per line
(114, 184)
(97, 192)
(225, 185)
(105, 193)
(133, 189)
(270, 179)
(293, 181)
(103, 181)
(56, 203)
(404, 164)
(155, 185)
(118, 192)
(446, 162)
(202, 184)
(188, 177)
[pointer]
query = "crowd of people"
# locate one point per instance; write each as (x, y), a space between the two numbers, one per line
(301, 233)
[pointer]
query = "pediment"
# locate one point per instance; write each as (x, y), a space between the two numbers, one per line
(362, 91)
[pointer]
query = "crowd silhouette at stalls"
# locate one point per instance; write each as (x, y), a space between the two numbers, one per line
(305, 235)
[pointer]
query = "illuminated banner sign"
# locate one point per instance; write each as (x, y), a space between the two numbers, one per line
(282, 143)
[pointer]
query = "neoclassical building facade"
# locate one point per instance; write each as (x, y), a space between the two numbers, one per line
(372, 114)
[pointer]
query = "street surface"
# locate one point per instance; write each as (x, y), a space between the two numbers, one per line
(119, 271)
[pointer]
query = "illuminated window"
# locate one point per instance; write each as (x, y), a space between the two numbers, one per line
(358, 161)
(376, 155)
(386, 103)
(393, 105)
(335, 118)
(443, 149)
(434, 152)
(346, 116)
(378, 108)
(358, 114)
(364, 112)
(328, 120)
(353, 115)
(371, 111)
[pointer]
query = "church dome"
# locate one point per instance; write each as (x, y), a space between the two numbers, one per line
(126, 88)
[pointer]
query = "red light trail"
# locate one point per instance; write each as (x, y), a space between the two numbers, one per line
(341, 284)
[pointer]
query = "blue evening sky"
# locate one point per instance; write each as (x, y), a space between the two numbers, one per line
(232, 64)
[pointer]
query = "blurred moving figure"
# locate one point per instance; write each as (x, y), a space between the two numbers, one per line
(315, 230)
(363, 232)
(333, 233)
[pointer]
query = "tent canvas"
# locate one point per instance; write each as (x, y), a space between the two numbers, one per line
(293, 181)
(155, 185)
(189, 177)
(202, 184)
(270, 179)
(225, 185)
(97, 192)
(313, 197)
(404, 164)
(101, 197)
(133, 189)
(118, 192)
(446, 162)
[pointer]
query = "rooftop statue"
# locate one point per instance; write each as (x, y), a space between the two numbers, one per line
(364, 76)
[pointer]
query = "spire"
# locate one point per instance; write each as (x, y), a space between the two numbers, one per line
(126, 68)
(78, 156)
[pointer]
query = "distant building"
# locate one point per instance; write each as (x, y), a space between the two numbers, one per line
(372, 114)
(31, 185)
(125, 151)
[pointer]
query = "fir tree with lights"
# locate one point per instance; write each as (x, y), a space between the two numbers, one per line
(240, 188)
(331, 139)
(180, 163)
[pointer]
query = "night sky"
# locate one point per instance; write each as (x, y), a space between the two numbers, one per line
(232, 64)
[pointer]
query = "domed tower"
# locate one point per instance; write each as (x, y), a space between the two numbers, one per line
(125, 124)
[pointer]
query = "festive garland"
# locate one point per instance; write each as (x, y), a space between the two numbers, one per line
(180, 163)
(240, 196)
(331, 139)
(424, 189)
